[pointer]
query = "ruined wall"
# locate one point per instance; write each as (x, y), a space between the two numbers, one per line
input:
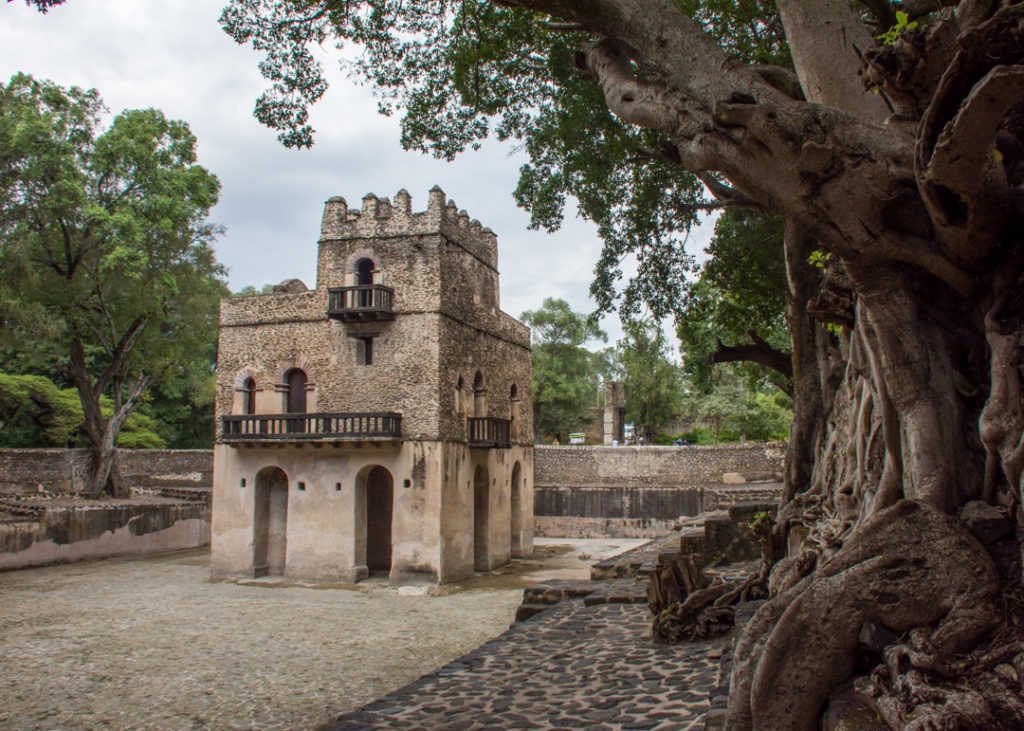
(64, 470)
(65, 533)
(636, 491)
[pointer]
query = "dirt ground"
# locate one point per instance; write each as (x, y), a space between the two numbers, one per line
(152, 643)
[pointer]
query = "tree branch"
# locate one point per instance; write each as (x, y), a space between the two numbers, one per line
(759, 352)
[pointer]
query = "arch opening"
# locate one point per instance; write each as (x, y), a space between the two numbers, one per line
(376, 498)
(481, 528)
(364, 278)
(296, 398)
(516, 511)
(479, 396)
(270, 522)
(249, 396)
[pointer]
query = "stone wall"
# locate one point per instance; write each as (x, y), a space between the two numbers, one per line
(636, 491)
(25, 471)
(62, 532)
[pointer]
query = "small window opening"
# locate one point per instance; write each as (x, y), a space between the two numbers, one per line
(242, 484)
(337, 486)
(366, 351)
(302, 486)
(407, 483)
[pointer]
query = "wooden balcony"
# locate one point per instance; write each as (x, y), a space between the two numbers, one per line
(362, 303)
(267, 428)
(489, 432)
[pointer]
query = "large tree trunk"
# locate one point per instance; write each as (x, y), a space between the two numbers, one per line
(922, 215)
(102, 432)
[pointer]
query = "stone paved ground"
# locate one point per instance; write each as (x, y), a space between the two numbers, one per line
(570, 667)
(151, 643)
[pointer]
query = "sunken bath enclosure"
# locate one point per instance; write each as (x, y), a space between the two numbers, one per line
(381, 422)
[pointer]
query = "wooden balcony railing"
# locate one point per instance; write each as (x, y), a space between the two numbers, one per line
(285, 427)
(489, 432)
(362, 302)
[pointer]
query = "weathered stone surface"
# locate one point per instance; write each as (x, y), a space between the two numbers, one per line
(66, 531)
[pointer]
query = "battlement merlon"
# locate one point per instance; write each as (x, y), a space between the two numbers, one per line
(381, 217)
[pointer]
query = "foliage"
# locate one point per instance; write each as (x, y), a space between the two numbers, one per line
(653, 383)
(731, 409)
(564, 382)
(459, 72)
(105, 248)
(249, 290)
(740, 289)
(36, 413)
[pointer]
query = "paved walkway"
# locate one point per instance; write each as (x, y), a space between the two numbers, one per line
(152, 643)
(571, 667)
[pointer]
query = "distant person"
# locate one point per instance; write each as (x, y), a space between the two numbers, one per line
(615, 442)
(642, 442)
(556, 442)
(678, 442)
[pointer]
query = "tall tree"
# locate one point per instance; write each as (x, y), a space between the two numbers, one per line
(104, 248)
(735, 310)
(907, 417)
(653, 383)
(564, 379)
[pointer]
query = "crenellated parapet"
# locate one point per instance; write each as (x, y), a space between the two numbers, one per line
(380, 217)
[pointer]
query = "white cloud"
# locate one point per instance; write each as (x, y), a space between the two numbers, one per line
(174, 56)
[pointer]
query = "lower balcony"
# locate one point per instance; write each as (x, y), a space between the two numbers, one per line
(310, 427)
(489, 432)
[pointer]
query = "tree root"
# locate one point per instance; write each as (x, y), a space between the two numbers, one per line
(908, 566)
(686, 605)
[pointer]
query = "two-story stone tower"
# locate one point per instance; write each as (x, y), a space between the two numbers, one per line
(382, 421)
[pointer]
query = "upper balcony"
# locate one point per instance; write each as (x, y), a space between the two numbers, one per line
(264, 428)
(489, 432)
(361, 303)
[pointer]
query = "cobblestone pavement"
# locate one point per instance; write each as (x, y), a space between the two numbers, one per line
(151, 643)
(570, 667)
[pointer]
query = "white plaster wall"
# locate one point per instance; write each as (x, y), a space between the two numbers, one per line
(322, 532)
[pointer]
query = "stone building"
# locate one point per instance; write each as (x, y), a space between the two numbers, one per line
(381, 422)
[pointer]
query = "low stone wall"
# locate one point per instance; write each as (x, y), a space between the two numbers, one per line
(637, 491)
(27, 471)
(64, 530)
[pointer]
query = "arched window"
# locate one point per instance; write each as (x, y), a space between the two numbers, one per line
(296, 380)
(513, 411)
(249, 396)
(479, 396)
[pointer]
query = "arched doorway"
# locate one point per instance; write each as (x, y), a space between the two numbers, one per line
(481, 528)
(296, 402)
(364, 277)
(379, 508)
(270, 522)
(517, 511)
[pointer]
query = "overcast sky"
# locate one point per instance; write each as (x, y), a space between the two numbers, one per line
(173, 55)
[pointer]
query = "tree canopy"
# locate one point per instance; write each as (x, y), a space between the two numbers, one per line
(565, 381)
(653, 383)
(104, 246)
(888, 138)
